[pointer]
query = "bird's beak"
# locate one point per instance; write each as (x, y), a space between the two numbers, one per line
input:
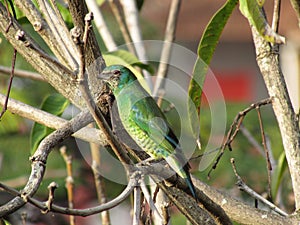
(104, 76)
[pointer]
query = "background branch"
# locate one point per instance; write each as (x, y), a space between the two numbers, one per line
(166, 51)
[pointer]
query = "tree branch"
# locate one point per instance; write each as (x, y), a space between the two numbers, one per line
(268, 62)
(133, 182)
(38, 163)
(54, 122)
(167, 47)
(22, 73)
(101, 25)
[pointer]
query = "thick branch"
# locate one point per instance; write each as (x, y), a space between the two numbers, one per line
(54, 122)
(93, 58)
(237, 210)
(52, 71)
(268, 62)
(53, 39)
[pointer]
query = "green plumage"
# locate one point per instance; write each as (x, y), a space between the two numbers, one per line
(144, 121)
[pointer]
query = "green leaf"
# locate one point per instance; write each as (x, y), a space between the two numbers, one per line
(206, 49)
(54, 104)
(131, 59)
(253, 12)
(278, 174)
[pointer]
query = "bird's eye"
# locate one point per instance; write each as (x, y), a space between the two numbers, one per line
(116, 72)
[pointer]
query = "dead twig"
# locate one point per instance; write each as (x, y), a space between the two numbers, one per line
(13, 63)
(51, 187)
(266, 150)
(234, 129)
(244, 187)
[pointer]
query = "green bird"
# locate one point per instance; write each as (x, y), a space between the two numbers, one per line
(144, 121)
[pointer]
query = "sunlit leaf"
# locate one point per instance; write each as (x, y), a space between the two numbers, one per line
(206, 49)
(131, 59)
(253, 12)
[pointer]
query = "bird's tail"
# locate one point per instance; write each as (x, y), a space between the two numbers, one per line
(182, 172)
(189, 182)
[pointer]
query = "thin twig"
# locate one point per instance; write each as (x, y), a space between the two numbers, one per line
(136, 205)
(257, 146)
(276, 15)
(266, 150)
(132, 21)
(118, 14)
(69, 180)
(99, 182)
(9, 84)
(22, 73)
(51, 187)
(14, 58)
(167, 47)
(244, 187)
(150, 201)
(234, 129)
(60, 32)
(101, 25)
(133, 182)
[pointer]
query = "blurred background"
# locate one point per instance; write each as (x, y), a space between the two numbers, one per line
(235, 68)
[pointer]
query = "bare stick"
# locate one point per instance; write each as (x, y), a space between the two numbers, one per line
(150, 201)
(69, 180)
(99, 184)
(14, 57)
(120, 19)
(51, 187)
(276, 15)
(234, 129)
(101, 25)
(60, 32)
(54, 122)
(9, 84)
(266, 150)
(268, 62)
(22, 73)
(136, 205)
(131, 18)
(166, 51)
(244, 187)
(133, 182)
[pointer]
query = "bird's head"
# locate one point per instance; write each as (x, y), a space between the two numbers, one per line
(117, 77)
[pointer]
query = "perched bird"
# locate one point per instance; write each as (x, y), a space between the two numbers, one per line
(144, 121)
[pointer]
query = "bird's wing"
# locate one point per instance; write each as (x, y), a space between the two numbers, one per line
(147, 116)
